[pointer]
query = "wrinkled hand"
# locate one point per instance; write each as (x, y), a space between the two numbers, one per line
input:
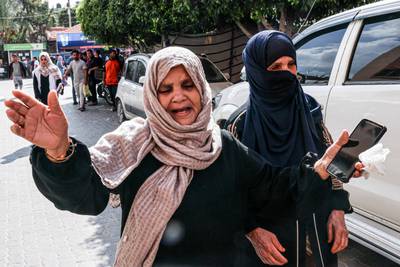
(44, 126)
(322, 164)
(267, 246)
(337, 231)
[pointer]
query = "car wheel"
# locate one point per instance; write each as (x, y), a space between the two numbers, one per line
(120, 112)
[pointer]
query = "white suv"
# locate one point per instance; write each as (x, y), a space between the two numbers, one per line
(350, 63)
(130, 88)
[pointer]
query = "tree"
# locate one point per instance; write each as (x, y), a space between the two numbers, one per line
(27, 20)
(141, 21)
(63, 19)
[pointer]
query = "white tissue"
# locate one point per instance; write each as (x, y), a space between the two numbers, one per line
(374, 159)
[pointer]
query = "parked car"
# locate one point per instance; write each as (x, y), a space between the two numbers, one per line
(350, 63)
(130, 88)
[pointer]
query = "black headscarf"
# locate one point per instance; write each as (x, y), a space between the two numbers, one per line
(278, 122)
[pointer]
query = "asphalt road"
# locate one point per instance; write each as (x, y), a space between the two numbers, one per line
(34, 233)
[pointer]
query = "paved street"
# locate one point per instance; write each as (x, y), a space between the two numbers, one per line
(34, 233)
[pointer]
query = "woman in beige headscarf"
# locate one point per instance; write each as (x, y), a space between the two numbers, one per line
(46, 77)
(187, 189)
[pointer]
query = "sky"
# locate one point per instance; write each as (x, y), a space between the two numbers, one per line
(53, 3)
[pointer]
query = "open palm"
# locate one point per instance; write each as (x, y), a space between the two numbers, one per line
(44, 126)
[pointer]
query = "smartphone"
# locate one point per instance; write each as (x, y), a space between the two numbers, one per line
(365, 135)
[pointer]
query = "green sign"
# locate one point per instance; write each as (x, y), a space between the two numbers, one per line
(24, 47)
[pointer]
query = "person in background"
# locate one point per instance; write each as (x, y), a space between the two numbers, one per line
(100, 63)
(281, 122)
(45, 78)
(79, 70)
(111, 75)
(35, 63)
(17, 72)
(28, 67)
(120, 58)
(93, 63)
(60, 63)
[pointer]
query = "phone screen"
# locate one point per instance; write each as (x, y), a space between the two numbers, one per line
(365, 135)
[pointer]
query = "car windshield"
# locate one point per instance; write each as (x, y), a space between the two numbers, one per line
(213, 75)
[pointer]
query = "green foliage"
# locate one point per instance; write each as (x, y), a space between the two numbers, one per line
(25, 20)
(63, 18)
(147, 21)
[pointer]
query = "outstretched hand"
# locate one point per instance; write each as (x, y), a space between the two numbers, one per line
(322, 164)
(44, 126)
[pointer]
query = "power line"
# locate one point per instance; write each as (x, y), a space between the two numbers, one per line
(53, 12)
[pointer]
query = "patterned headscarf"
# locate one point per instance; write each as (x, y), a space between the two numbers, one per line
(49, 68)
(181, 148)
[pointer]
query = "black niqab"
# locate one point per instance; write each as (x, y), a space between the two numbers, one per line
(278, 122)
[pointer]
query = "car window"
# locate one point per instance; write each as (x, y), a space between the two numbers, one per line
(213, 75)
(377, 55)
(130, 71)
(316, 55)
(141, 71)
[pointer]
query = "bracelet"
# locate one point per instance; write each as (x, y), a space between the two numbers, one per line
(68, 154)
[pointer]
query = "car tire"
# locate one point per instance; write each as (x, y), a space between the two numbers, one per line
(120, 112)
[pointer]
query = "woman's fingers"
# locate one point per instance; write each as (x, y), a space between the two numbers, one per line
(277, 256)
(25, 98)
(18, 130)
(15, 117)
(53, 103)
(17, 106)
(277, 244)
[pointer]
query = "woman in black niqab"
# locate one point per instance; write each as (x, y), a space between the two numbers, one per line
(279, 124)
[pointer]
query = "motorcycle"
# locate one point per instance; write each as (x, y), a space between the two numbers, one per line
(103, 92)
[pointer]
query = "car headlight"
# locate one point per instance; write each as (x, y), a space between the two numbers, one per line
(216, 99)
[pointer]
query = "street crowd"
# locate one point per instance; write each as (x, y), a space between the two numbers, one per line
(87, 69)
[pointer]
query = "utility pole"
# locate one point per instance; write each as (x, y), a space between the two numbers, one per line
(69, 13)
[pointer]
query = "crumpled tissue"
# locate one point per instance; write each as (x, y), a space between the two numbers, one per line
(374, 159)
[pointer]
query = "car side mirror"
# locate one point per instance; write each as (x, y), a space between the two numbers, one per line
(142, 79)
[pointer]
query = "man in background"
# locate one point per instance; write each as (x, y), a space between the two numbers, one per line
(79, 70)
(17, 72)
(112, 70)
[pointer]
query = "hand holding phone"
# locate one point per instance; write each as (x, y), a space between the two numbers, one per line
(365, 135)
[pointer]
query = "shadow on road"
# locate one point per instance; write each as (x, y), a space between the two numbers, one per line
(20, 153)
(106, 237)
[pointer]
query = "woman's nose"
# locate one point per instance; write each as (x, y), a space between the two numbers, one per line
(179, 95)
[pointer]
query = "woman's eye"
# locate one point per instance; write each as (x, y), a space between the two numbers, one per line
(188, 85)
(164, 90)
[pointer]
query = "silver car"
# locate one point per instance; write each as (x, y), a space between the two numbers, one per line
(350, 63)
(130, 88)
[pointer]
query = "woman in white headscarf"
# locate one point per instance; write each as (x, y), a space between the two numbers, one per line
(46, 77)
(187, 189)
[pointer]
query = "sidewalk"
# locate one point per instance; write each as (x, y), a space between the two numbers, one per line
(32, 231)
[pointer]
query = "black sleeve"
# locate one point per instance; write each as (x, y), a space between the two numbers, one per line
(23, 69)
(340, 201)
(72, 185)
(291, 186)
(36, 86)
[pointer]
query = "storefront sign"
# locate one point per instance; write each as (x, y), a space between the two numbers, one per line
(24, 47)
(68, 40)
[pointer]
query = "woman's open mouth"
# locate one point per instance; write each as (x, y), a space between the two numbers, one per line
(182, 112)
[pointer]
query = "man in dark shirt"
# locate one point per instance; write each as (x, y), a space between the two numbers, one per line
(93, 63)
